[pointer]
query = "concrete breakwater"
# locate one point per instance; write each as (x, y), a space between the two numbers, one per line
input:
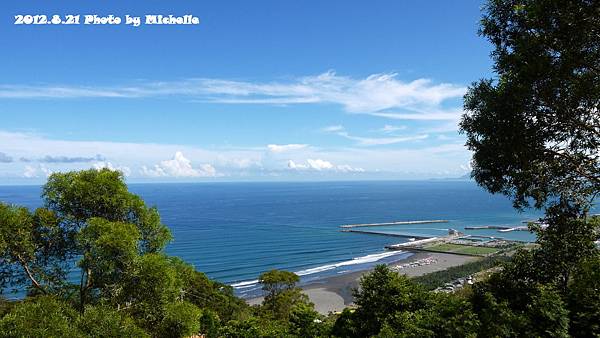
(500, 228)
(386, 234)
(393, 223)
(497, 227)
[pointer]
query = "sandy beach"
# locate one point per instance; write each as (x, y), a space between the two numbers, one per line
(335, 293)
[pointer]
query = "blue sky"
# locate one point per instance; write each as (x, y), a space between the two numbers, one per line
(261, 90)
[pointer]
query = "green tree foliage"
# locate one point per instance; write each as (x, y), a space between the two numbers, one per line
(40, 317)
(181, 319)
(535, 134)
(109, 252)
(31, 249)
(306, 322)
(104, 321)
(534, 311)
(282, 295)
(149, 289)
(74, 223)
(209, 323)
(446, 316)
(78, 196)
(584, 299)
(381, 295)
(276, 281)
(208, 294)
(391, 305)
(255, 327)
(47, 316)
(535, 129)
(563, 245)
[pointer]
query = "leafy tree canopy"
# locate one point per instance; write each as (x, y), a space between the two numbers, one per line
(535, 128)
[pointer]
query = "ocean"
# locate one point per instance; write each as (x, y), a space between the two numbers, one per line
(235, 231)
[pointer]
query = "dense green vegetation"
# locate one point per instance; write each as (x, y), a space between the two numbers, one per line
(535, 134)
(439, 278)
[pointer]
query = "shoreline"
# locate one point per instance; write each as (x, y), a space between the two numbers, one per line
(333, 294)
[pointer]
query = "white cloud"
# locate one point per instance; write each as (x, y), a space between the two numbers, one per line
(374, 141)
(30, 172)
(420, 160)
(179, 166)
(321, 165)
(374, 94)
(293, 165)
(466, 167)
(348, 169)
(281, 148)
(452, 115)
(390, 129)
(332, 129)
(102, 164)
(36, 171)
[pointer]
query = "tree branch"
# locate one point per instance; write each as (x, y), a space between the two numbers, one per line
(30, 274)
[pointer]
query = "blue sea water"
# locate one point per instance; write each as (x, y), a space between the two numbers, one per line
(235, 231)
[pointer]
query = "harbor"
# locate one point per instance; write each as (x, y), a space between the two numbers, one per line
(452, 242)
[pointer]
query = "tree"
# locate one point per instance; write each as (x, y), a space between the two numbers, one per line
(509, 307)
(282, 294)
(305, 322)
(446, 315)
(535, 135)
(88, 214)
(535, 129)
(104, 321)
(128, 287)
(109, 252)
(78, 196)
(209, 323)
(199, 290)
(381, 295)
(149, 288)
(181, 319)
(40, 317)
(277, 281)
(32, 249)
(584, 299)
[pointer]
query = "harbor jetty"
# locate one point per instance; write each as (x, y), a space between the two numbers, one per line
(386, 234)
(483, 227)
(393, 223)
(500, 228)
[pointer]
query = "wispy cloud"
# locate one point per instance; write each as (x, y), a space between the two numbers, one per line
(64, 159)
(377, 94)
(5, 158)
(322, 165)
(374, 141)
(282, 148)
(433, 115)
(332, 129)
(390, 129)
